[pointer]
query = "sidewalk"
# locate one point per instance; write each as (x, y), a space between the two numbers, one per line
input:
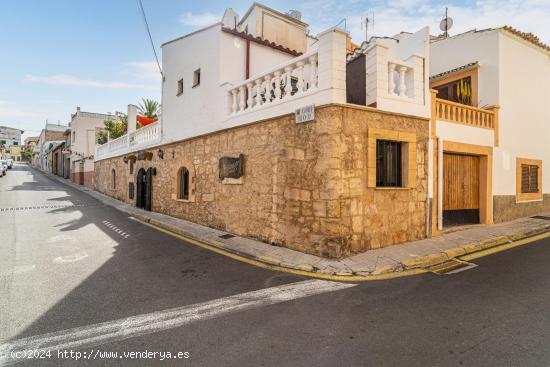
(394, 259)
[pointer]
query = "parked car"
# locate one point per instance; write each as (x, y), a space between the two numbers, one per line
(10, 163)
(3, 167)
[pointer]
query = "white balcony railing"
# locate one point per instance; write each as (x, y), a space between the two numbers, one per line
(145, 135)
(282, 83)
(135, 140)
(118, 143)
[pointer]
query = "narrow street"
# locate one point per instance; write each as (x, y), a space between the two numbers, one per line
(67, 261)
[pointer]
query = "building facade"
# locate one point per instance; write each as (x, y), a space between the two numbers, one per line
(84, 128)
(10, 138)
(492, 137)
(50, 134)
(231, 153)
(331, 149)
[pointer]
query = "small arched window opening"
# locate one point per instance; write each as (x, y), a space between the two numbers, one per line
(113, 179)
(183, 184)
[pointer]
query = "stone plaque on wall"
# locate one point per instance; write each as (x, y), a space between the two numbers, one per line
(230, 167)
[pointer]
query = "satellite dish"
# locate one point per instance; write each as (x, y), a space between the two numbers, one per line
(446, 24)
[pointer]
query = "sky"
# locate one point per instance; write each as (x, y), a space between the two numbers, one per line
(59, 54)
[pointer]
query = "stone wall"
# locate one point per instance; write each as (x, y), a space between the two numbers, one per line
(304, 187)
(505, 207)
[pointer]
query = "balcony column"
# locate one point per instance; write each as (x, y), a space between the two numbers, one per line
(300, 68)
(132, 118)
(234, 105)
(242, 102)
(313, 71)
(258, 83)
(250, 100)
(288, 86)
(277, 82)
(267, 79)
(391, 78)
(402, 85)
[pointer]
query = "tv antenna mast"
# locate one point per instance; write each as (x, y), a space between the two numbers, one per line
(446, 24)
(366, 21)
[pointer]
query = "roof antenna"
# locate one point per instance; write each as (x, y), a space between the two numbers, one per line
(368, 20)
(342, 21)
(446, 24)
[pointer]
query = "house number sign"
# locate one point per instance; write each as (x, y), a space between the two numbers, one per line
(305, 114)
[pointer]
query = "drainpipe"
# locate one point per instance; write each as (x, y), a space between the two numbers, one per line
(439, 183)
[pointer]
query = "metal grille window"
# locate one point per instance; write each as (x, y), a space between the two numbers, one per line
(183, 192)
(388, 163)
(529, 178)
(131, 190)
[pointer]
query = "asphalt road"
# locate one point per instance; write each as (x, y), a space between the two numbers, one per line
(67, 261)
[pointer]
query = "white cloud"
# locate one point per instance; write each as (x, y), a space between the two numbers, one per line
(392, 17)
(199, 20)
(15, 113)
(69, 80)
(147, 70)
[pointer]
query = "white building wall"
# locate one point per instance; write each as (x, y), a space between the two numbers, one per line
(524, 113)
(221, 57)
(197, 110)
(466, 48)
(83, 134)
(513, 74)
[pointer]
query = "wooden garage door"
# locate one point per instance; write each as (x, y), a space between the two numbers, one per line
(460, 182)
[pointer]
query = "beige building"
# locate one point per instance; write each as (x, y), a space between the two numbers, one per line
(333, 150)
(84, 127)
(10, 138)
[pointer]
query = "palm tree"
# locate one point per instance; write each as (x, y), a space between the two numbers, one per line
(149, 108)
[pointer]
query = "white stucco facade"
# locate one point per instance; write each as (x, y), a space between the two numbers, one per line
(514, 74)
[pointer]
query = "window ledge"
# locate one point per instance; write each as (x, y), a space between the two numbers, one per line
(190, 200)
(392, 188)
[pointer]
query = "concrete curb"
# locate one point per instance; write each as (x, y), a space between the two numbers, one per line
(412, 266)
(454, 253)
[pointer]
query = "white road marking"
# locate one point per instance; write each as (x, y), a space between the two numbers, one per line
(17, 270)
(116, 229)
(70, 258)
(110, 331)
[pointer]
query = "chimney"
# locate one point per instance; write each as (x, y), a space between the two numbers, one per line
(132, 118)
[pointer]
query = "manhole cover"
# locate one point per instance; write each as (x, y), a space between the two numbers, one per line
(226, 236)
(540, 217)
(451, 267)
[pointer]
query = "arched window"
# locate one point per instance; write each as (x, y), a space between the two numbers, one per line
(113, 178)
(183, 184)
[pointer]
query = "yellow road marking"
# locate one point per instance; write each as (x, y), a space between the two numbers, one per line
(334, 277)
(348, 278)
(507, 246)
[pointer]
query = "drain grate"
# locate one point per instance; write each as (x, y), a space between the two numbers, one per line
(451, 267)
(226, 236)
(540, 217)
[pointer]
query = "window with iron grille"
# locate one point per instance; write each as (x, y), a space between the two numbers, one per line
(131, 190)
(529, 178)
(388, 164)
(183, 190)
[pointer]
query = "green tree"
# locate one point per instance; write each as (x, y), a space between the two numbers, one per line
(149, 108)
(113, 129)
